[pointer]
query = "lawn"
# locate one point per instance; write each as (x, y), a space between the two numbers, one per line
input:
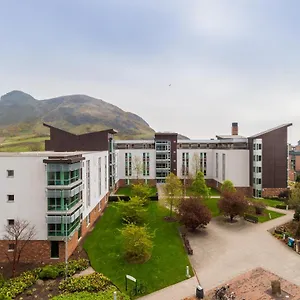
(265, 217)
(212, 204)
(268, 202)
(126, 190)
(167, 265)
(213, 192)
(23, 143)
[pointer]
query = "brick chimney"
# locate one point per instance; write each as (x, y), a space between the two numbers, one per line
(235, 128)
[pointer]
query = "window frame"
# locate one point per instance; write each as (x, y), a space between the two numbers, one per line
(10, 176)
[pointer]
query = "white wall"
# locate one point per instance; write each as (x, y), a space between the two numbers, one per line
(136, 153)
(94, 180)
(29, 188)
(236, 164)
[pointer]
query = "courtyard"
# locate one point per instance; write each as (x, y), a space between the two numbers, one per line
(225, 250)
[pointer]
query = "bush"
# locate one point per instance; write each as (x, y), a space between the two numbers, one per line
(2, 280)
(259, 207)
(15, 286)
(141, 190)
(132, 211)
(297, 215)
(108, 294)
(284, 194)
(228, 186)
(49, 272)
(192, 213)
(137, 243)
(95, 282)
(280, 206)
(233, 204)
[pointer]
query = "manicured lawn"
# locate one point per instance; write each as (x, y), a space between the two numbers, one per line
(213, 192)
(126, 190)
(166, 266)
(212, 204)
(268, 202)
(265, 217)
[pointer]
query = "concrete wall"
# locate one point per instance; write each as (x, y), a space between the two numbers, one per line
(29, 189)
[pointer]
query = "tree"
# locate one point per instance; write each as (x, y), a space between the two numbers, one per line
(196, 164)
(137, 167)
(173, 190)
(199, 186)
(192, 213)
(228, 186)
(233, 204)
(132, 211)
(295, 202)
(18, 235)
(259, 207)
(137, 243)
(141, 190)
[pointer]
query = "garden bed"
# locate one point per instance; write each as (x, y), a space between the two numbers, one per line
(167, 264)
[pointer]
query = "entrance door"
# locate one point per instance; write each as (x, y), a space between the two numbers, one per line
(54, 249)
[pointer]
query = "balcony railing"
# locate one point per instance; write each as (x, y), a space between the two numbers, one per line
(63, 182)
(62, 233)
(59, 207)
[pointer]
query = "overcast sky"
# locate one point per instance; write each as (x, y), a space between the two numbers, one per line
(226, 61)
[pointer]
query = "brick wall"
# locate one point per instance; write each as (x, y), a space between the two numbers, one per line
(247, 191)
(272, 192)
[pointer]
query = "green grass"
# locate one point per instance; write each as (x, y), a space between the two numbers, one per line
(212, 204)
(268, 202)
(23, 143)
(126, 190)
(265, 217)
(213, 192)
(167, 264)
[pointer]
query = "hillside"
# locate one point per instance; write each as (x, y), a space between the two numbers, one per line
(22, 114)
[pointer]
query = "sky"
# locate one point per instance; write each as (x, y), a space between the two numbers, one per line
(226, 61)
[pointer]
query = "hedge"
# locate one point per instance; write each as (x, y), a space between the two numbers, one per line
(116, 198)
(280, 206)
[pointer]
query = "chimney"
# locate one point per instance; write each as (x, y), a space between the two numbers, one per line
(235, 128)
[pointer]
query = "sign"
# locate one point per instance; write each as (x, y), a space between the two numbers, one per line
(131, 278)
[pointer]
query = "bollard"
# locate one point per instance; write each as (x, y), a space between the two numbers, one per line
(115, 295)
(188, 272)
(270, 216)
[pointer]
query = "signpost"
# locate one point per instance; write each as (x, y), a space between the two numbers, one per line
(131, 278)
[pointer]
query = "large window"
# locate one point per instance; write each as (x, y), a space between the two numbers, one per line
(88, 183)
(105, 170)
(185, 164)
(146, 164)
(63, 178)
(128, 164)
(223, 166)
(217, 165)
(203, 163)
(62, 203)
(99, 174)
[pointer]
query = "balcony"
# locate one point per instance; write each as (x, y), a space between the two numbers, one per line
(59, 233)
(62, 209)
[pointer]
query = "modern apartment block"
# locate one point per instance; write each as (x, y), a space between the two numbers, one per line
(294, 162)
(63, 190)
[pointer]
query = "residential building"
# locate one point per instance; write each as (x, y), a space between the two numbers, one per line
(294, 161)
(63, 190)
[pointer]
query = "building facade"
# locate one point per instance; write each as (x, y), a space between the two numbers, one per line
(64, 190)
(294, 162)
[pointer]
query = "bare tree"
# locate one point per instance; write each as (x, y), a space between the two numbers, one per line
(137, 167)
(18, 235)
(196, 164)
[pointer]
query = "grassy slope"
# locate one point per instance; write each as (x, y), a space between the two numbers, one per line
(265, 217)
(23, 143)
(268, 202)
(126, 190)
(167, 264)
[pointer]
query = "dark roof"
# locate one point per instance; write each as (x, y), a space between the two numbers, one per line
(111, 130)
(270, 130)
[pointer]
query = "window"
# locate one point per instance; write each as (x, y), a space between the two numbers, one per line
(258, 170)
(54, 249)
(259, 146)
(217, 165)
(10, 198)
(11, 222)
(253, 157)
(253, 169)
(128, 164)
(185, 164)
(88, 220)
(10, 173)
(223, 166)
(99, 174)
(11, 247)
(146, 164)
(105, 170)
(258, 157)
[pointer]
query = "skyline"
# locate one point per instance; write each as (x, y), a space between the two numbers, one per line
(226, 61)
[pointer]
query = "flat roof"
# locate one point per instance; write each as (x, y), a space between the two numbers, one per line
(231, 136)
(43, 154)
(213, 141)
(134, 141)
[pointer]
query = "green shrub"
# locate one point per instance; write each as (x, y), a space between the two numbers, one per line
(49, 272)
(2, 280)
(142, 191)
(259, 207)
(132, 211)
(15, 286)
(108, 294)
(4, 297)
(95, 282)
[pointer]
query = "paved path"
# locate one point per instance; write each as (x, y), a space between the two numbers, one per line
(224, 250)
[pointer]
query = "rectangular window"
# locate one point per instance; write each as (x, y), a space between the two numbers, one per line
(259, 146)
(217, 165)
(99, 174)
(254, 169)
(258, 169)
(254, 146)
(185, 164)
(11, 222)
(146, 164)
(253, 157)
(10, 198)
(258, 157)
(54, 249)
(128, 164)
(10, 173)
(223, 166)
(88, 184)
(105, 170)
(11, 247)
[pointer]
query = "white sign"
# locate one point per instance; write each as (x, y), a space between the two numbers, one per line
(131, 278)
